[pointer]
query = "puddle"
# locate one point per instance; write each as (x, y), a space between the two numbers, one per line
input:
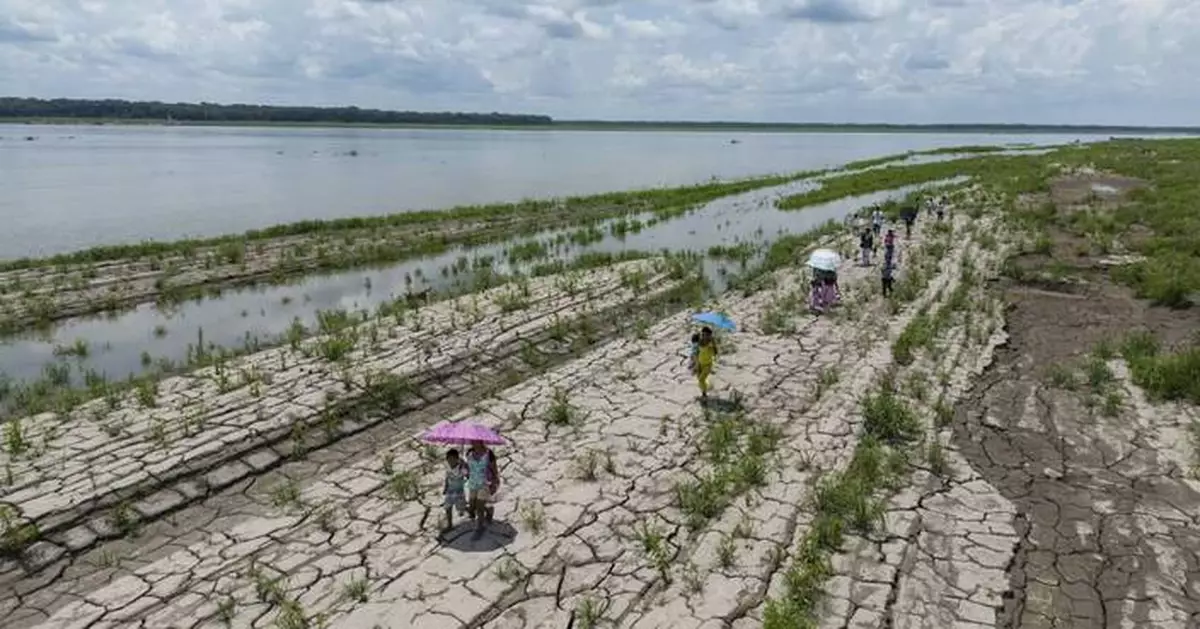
(122, 344)
(1100, 188)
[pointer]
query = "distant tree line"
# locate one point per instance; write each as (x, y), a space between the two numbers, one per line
(40, 109)
(111, 109)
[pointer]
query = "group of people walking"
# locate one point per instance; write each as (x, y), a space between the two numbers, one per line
(868, 242)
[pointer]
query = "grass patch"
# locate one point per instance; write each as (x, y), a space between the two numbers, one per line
(1165, 376)
(918, 333)
(15, 534)
(898, 176)
(544, 213)
(845, 502)
(561, 411)
(737, 450)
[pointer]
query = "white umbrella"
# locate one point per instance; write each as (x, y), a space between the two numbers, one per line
(824, 260)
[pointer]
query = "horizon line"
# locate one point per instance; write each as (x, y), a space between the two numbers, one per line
(537, 119)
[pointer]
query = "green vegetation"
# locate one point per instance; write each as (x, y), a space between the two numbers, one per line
(473, 224)
(15, 534)
(1164, 375)
(66, 383)
(191, 269)
(866, 182)
(1157, 221)
(846, 502)
(951, 150)
(736, 449)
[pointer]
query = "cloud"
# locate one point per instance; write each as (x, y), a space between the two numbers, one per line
(830, 11)
(926, 61)
(1105, 61)
(15, 32)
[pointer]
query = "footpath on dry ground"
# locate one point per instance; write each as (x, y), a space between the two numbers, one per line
(624, 500)
(1055, 493)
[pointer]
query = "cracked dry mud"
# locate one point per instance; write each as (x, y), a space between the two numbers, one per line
(562, 544)
(1106, 528)
(1005, 531)
(207, 430)
(1044, 510)
(939, 559)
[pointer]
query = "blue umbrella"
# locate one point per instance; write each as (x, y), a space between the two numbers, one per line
(715, 319)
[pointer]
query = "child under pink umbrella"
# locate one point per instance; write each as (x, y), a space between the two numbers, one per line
(481, 476)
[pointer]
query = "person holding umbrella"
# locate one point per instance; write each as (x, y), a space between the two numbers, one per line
(483, 480)
(706, 354)
(705, 359)
(824, 263)
(481, 471)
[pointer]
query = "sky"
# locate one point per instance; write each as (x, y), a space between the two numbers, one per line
(902, 61)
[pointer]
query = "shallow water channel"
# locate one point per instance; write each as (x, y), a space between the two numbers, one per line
(124, 344)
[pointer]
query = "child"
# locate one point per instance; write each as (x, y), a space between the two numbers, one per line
(453, 488)
(888, 276)
(483, 479)
(877, 221)
(704, 360)
(693, 353)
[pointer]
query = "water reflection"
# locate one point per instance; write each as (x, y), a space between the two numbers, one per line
(123, 344)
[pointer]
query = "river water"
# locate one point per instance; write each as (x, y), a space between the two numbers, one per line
(120, 345)
(70, 187)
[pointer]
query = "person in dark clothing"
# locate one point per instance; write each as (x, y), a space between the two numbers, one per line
(887, 276)
(910, 216)
(866, 241)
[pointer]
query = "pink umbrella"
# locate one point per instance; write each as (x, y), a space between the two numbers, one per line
(462, 433)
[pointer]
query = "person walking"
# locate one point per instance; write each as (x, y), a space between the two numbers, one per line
(887, 277)
(866, 242)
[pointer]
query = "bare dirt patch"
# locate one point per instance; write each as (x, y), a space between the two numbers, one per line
(1106, 524)
(1090, 187)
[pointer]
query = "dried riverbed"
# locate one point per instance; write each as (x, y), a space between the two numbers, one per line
(970, 453)
(591, 525)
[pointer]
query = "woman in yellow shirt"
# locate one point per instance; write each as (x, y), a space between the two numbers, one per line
(704, 360)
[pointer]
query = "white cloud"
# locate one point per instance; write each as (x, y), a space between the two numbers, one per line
(1107, 61)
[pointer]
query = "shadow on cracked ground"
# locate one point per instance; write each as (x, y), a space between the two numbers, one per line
(466, 538)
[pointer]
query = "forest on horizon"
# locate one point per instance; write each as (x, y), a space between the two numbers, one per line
(118, 110)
